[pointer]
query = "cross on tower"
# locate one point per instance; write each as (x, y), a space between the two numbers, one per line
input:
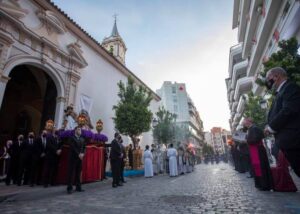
(115, 16)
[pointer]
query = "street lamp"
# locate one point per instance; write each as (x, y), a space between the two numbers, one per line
(154, 124)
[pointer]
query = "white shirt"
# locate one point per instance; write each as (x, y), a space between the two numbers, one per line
(280, 86)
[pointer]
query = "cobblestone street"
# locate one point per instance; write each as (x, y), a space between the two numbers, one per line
(209, 189)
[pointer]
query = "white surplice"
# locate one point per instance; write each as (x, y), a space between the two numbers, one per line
(172, 153)
(148, 167)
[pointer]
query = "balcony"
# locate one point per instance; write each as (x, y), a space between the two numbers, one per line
(239, 70)
(231, 95)
(241, 105)
(234, 106)
(192, 110)
(235, 20)
(266, 32)
(243, 86)
(245, 8)
(254, 16)
(235, 56)
(237, 118)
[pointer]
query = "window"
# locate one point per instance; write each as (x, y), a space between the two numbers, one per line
(173, 90)
(175, 108)
(174, 99)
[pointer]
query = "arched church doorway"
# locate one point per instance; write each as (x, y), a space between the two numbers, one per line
(29, 101)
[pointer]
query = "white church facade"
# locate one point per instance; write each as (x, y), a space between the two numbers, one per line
(48, 62)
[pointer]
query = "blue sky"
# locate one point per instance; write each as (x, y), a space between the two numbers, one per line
(170, 40)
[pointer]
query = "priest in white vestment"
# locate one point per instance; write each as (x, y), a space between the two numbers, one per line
(154, 160)
(172, 155)
(148, 167)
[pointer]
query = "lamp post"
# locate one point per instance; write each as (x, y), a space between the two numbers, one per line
(154, 124)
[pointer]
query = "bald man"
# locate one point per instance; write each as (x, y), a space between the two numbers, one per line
(284, 116)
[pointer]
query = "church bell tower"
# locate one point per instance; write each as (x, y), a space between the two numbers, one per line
(115, 44)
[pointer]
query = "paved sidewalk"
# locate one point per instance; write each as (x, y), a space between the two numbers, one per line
(209, 189)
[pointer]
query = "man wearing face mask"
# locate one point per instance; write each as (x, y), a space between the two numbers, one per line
(13, 149)
(41, 152)
(76, 154)
(33, 157)
(16, 155)
(25, 159)
(284, 116)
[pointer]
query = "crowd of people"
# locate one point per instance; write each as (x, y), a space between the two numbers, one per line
(32, 159)
(283, 123)
(172, 161)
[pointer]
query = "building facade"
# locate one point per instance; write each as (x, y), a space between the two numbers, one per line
(176, 100)
(47, 62)
(261, 24)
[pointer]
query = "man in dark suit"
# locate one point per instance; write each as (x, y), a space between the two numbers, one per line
(284, 116)
(52, 150)
(41, 144)
(76, 154)
(34, 153)
(115, 160)
(15, 158)
(25, 159)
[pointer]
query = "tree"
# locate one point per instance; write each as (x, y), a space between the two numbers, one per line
(182, 132)
(164, 131)
(287, 58)
(132, 116)
(254, 110)
(207, 150)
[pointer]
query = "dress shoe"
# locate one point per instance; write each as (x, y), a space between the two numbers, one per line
(79, 190)
(120, 184)
(69, 191)
(46, 186)
(124, 182)
(114, 185)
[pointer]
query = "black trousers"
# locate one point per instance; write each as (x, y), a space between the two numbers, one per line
(40, 170)
(74, 169)
(8, 171)
(122, 165)
(23, 171)
(33, 171)
(293, 156)
(50, 171)
(115, 169)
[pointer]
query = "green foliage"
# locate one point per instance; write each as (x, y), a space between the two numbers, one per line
(182, 132)
(132, 116)
(254, 110)
(164, 131)
(287, 58)
(207, 150)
